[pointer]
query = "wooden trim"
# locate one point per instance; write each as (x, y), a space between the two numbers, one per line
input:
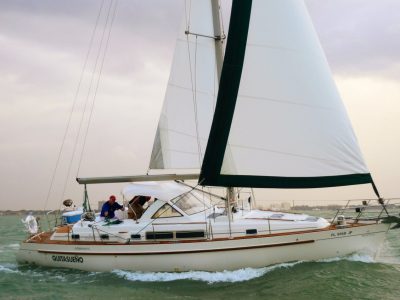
(178, 252)
(63, 229)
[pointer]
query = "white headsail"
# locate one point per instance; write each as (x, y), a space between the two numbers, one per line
(189, 102)
(288, 123)
(289, 119)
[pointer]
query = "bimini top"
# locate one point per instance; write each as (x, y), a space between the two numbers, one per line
(161, 190)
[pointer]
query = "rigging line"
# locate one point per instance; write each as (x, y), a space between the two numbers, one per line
(193, 83)
(196, 118)
(181, 133)
(86, 102)
(216, 86)
(202, 190)
(97, 85)
(67, 129)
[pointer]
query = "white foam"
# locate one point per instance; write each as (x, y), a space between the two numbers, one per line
(13, 246)
(210, 277)
(8, 269)
(6, 248)
(365, 258)
(389, 254)
(361, 257)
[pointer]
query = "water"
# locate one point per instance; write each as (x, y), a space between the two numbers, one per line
(355, 277)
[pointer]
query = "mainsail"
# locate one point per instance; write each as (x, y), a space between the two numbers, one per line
(190, 98)
(279, 120)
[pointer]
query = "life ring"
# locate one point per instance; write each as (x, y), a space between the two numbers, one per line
(31, 224)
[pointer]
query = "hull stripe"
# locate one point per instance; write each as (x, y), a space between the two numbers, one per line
(177, 252)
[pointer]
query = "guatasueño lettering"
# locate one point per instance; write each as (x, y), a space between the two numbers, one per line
(71, 259)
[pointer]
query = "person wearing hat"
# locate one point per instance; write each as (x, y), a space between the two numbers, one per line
(109, 207)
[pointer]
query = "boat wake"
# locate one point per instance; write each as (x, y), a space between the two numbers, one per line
(360, 257)
(209, 277)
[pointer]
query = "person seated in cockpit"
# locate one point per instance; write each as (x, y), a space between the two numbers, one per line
(135, 207)
(109, 207)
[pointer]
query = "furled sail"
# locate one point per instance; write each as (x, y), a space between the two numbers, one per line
(279, 120)
(190, 98)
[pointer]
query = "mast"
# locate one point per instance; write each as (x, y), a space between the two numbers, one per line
(219, 36)
(219, 58)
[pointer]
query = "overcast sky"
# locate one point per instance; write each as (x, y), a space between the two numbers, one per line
(43, 45)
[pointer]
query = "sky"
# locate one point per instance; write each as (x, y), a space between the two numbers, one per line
(43, 46)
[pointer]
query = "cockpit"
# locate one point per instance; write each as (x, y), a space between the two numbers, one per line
(170, 199)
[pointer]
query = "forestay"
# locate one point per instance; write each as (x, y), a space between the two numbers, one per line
(285, 125)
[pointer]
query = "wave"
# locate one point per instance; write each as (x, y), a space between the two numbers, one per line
(360, 257)
(8, 268)
(385, 255)
(14, 246)
(6, 248)
(209, 277)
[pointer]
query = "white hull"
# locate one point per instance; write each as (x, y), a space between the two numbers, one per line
(210, 255)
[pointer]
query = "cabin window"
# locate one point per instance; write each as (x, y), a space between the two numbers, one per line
(190, 203)
(189, 234)
(135, 236)
(166, 211)
(251, 231)
(75, 236)
(159, 235)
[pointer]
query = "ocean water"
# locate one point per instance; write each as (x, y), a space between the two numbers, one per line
(354, 277)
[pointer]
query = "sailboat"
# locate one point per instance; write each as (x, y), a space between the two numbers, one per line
(262, 112)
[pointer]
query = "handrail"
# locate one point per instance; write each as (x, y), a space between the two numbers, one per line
(55, 219)
(382, 206)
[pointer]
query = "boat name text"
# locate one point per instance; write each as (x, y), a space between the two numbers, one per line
(72, 259)
(342, 233)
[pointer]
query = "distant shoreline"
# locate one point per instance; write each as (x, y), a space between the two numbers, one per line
(22, 212)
